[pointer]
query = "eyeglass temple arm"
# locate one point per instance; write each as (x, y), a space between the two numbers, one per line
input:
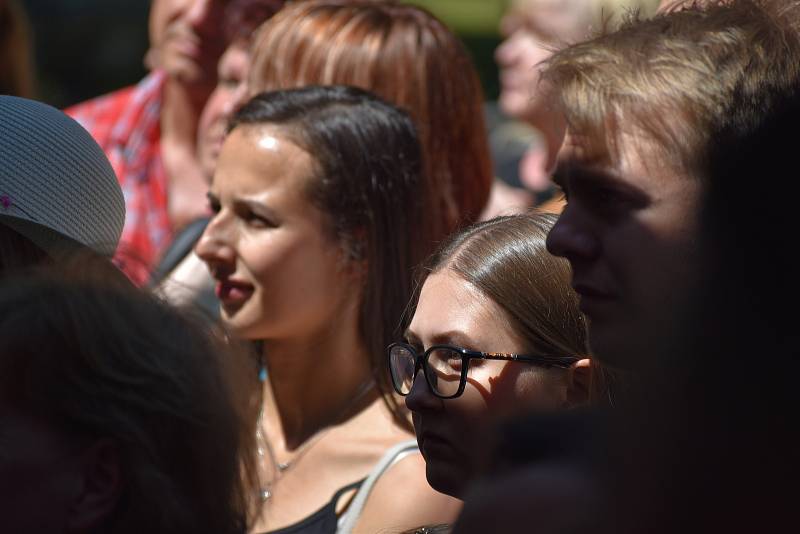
(556, 361)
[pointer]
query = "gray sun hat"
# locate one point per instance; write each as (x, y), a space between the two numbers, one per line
(57, 187)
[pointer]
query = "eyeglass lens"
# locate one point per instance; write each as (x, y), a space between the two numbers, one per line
(443, 370)
(401, 362)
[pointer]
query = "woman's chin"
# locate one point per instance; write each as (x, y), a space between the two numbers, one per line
(445, 478)
(240, 327)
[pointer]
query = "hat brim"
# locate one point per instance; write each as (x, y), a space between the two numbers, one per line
(53, 243)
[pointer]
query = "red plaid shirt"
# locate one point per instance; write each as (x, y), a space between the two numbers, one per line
(126, 124)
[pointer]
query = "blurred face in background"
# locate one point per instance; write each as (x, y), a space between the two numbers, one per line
(186, 38)
(532, 29)
(228, 96)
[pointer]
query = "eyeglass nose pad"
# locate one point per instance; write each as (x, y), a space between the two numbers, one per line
(418, 363)
(418, 367)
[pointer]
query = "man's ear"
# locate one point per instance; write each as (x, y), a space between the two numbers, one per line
(579, 382)
(101, 489)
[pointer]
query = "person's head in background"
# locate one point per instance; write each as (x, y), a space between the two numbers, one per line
(186, 41)
(16, 61)
(493, 289)
(242, 17)
(58, 192)
(533, 30)
(405, 55)
(641, 105)
(117, 415)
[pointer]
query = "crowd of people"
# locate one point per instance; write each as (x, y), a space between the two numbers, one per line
(276, 287)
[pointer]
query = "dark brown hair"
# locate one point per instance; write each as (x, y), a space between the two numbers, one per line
(96, 358)
(408, 57)
(18, 252)
(368, 182)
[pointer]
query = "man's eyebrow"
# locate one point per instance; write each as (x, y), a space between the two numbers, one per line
(584, 170)
(591, 177)
(567, 169)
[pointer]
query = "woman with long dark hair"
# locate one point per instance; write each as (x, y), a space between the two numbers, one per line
(318, 200)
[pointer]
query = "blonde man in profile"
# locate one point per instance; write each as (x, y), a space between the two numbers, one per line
(643, 106)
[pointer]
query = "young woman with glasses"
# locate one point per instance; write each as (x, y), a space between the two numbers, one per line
(319, 203)
(495, 332)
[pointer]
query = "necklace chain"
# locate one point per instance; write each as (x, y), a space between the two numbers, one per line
(266, 452)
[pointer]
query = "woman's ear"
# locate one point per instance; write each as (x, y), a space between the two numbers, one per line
(101, 487)
(579, 382)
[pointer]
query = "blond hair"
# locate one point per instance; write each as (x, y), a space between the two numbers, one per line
(672, 79)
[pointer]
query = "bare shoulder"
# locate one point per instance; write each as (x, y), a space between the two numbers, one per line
(403, 500)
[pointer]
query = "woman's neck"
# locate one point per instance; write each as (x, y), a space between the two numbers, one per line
(316, 382)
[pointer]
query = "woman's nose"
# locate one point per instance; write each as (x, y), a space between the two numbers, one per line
(421, 398)
(215, 247)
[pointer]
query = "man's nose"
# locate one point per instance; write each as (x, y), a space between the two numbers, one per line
(205, 15)
(571, 239)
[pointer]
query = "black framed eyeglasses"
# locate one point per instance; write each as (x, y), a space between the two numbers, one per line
(445, 367)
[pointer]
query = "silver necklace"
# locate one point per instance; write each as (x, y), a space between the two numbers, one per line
(265, 450)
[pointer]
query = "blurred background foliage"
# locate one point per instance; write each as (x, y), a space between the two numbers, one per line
(84, 48)
(477, 23)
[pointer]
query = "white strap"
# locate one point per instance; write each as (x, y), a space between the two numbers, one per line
(348, 520)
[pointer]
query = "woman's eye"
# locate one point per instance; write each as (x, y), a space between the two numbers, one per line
(455, 361)
(252, 218)
(214, 206)
(256, 221)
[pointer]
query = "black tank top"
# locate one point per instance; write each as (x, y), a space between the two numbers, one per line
(323, 521)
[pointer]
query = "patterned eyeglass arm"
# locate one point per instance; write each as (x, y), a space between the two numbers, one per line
(555, 361)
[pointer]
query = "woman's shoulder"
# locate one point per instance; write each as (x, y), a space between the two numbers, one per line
(402, 499)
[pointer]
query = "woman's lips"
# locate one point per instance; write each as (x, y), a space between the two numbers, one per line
(434, 444)
(233, 293)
